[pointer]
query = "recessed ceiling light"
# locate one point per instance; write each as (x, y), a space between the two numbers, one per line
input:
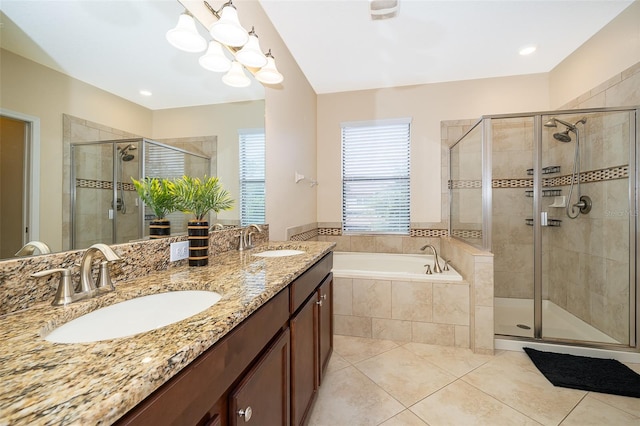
(145, 93)
(527, 50)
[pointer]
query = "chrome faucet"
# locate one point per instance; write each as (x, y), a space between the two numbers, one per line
(436, 262)
(246, 241)
(29, 248)
(216, 226)
(87, 285)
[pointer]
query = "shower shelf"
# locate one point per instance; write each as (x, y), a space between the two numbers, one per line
(546, 170)
(550, 222)
(545, 192)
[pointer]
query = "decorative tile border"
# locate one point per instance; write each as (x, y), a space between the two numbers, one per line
(103, 184)
(467, 233)
(305, 236)
(600, 175)
(428, 233)
(414, 232)
(512, 183)
(465, 184)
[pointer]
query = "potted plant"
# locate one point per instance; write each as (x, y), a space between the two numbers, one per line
(156, 194)
(198, 197)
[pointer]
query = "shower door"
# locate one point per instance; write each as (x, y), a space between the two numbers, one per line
(104, 202)
(584, 273)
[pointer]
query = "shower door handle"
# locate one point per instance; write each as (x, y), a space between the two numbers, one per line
(110, 214)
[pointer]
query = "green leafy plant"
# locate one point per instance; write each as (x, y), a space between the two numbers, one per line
(199, 197)
(156, 193)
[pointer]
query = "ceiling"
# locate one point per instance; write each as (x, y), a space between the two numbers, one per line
(120, 46)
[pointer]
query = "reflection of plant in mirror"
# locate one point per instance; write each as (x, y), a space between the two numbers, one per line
(156, 193)
(199, 197)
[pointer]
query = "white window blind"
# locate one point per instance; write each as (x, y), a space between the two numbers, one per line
(252, 166)
(375, 177)
(163, 162)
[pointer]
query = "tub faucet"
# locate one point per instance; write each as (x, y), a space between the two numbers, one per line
(87, 285)
(246, 241)
(436, 262)
(29, 248)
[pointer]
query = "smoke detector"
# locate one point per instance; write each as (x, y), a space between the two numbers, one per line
(383, 9)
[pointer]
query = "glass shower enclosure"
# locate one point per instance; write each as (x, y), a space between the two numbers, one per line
(553, 196)
(105, 207)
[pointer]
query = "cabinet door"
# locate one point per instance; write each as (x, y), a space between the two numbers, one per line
(325, 323)
(304, 359)
(262, 397)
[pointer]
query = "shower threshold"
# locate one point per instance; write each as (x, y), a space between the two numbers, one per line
(514, 317)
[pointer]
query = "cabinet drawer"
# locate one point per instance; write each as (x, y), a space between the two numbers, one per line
(306, 283)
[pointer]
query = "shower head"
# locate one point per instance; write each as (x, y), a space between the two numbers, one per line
(562, 137)
(124, 155)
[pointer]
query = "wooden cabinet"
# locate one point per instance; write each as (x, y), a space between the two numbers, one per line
(304, 360)
(198, 395)
(262, 397)
(311, 347)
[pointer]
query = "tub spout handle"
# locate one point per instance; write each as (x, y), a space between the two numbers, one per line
(446, 265)
(428, 271)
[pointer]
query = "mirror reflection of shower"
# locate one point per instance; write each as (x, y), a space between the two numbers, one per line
(124, 155)
(584, 201)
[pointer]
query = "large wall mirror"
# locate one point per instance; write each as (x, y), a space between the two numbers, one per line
(72, 72)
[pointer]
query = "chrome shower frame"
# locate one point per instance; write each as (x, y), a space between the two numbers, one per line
(634, 222)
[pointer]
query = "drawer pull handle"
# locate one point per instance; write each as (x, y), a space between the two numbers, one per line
(319, 303)
(246, 413)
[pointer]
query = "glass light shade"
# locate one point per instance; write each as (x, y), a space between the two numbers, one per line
(236, 76)
(269, 74)
(227, 30)
(215, 59)
(185, 36)
(250, 55)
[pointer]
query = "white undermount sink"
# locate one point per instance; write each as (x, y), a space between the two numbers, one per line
(278, 253)
(134, 316)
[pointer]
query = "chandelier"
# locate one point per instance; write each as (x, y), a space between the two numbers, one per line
(229, 38)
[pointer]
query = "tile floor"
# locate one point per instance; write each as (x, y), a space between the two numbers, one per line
(381, 382)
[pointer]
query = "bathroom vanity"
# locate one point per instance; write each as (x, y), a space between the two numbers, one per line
(257, 356)
(266, 371)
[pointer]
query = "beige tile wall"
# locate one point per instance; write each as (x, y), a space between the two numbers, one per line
(408, 311)
(476, 266)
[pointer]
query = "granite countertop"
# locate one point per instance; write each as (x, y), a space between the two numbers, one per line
(97, 383)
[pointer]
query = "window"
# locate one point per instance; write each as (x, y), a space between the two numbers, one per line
(375, 177)
(252, 159)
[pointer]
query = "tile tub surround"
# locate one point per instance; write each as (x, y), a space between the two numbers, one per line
(18, 290)
(406, 311)
(91, 383)
(476, 267)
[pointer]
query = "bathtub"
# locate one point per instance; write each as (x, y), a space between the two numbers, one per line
(389, 296)
(407, 267)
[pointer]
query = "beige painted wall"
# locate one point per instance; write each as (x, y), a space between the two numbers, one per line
(613, 49)
(221, 120)
(31, 89)
(427, 105)
(291, 135)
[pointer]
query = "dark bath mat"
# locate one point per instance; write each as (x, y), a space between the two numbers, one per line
(584, 373)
